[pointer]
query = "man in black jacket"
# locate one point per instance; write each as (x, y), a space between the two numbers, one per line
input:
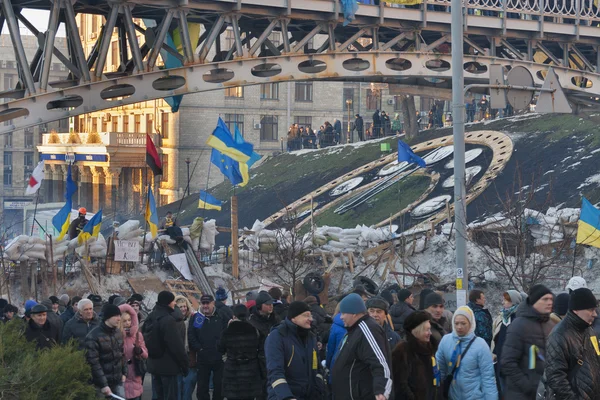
(204, 333)
(81, 324)
(279, 307)
(70, 309)
(104, 346)
(359, 125)
(376, 124)
(402, 309)
(222, 309)
(572, 352)
(362, 369)
(164, 334)
(40, 330)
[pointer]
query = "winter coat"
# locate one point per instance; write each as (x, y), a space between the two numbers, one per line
(104, 353)
(322, 322)
(483, 322)
(376, 119)
(399, 312)
(133, 385)
(280, 309)
(241, 374)
(530, 328)
(337, 126)
(500, 330)
(359, 125)
(336, 334)
(53, 318)
(224, 311)
(573, 366)
(392, 337)
(78, 329)
(44, 336)
(204, 334)
(263, 325)
(412, 371)
(171, 334)
(293, 364)
(362, 368)
(475, 377)
(438, 331)
(67, 315)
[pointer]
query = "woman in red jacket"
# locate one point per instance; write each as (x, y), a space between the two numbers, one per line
(135, 349)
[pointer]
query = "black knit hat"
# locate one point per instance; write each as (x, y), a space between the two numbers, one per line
(432, 299)
(296, 308)
(53, 299)
(582, 299)
(404, 294)
(561, 304)
(263, 298)
(422, 296)
(537, 292)
(109, 311)
(378, 302)
(415, 319)
(165, 298)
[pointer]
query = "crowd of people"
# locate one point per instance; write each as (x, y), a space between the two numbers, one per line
(372, 347)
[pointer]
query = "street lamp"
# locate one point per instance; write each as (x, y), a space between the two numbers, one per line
(349, 104)
(187, 188)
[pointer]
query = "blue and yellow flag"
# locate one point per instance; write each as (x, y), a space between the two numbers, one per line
(222, 140)
(208, 202)
(62, 219)
(240, 140)
(91, 228)
(151, 215)
(588, 227)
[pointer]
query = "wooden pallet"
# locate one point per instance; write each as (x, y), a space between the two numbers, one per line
(184, 288)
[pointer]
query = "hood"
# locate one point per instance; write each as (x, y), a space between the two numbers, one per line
(465, 311)
(126, 308)
(337, 320)
(526, 310)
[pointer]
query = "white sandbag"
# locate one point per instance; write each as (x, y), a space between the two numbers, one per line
(96, 247)
(267, 239)
(163, 237)
(195, 243)
(349, 241)
(36, 240)
(127, 227)
(132, 234)
(34, 247)
(209, 232)
(73, 244)
(185, 231)
(38, 255)
(23, 257)
(337, 245)
(332, 229)
(60, 249)
(257, 227)
(265, 233)
(99, 254)
(188, 239)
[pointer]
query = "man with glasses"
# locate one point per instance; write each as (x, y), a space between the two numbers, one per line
(204, 333)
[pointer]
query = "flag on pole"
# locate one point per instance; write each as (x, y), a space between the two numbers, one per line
(62, 219)
(588, 226)
(405, 153)
(254, 157)
(35, 180)
(209, 202)
(151, 214)
(222, 140)
(152, 157)
(91, 228)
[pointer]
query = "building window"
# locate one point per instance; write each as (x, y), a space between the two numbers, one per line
(8, 140)
(229, 39)
(9, 81)
(10, 65)
(233, 120)
(115, 123)
(268, 128)
(63, 125)
(165, 168)
(126, 123)
(94, 125)
(8, 159)
(7, 176)
(235, 92)
(28, 140)
(373, 100)
(305, 122)
(149, 123)
(137, 123)
(164, 125)
(275, 38)
(304, 91)
(269, 91)
(94, 24)
(115, 54)
(28, 159)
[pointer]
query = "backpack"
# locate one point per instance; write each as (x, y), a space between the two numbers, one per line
(152, 337)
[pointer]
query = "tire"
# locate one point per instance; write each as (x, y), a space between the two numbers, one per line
(370, 286)
(393, 287)
(314, 283)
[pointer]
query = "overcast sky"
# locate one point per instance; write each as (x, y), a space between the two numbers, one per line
(39, 19)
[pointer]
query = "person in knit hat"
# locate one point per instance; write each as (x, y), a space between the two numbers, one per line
(63, 303)
(54, 304)
(222, 309)
(440, 325)
(510, 301)
(288, 350)
(104, 353)
(401, 310)
(467, 358)
(560, 307)
(29, 304)
(572, 355)
(524, 350)
(364, 357)
(378, 310)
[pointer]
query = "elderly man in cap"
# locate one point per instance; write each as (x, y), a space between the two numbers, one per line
(40, 330)
(378, 310)
(204, 333)
(362, 369)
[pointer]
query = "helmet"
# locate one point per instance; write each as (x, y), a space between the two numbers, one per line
(82, 210)
(576, 282)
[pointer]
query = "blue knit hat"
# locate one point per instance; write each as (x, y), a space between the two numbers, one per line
(221, 294)
(353, 304)
(29, 304)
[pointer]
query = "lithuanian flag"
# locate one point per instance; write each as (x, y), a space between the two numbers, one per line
(588, 230)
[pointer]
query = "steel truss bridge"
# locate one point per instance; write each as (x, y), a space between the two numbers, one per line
(405, 46)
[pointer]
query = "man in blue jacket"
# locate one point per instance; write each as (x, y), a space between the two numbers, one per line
(482, 316)
(292, 358)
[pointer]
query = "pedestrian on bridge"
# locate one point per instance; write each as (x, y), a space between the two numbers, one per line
(359, 126)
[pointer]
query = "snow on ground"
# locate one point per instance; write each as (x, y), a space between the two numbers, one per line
(590, 180)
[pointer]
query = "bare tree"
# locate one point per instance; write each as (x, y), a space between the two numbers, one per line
(409, 115)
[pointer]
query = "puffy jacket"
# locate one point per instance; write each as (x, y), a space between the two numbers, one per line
(363, 367)
(78, 329)
(483, 320)
(104, 353)
(336, 334)
(530, 328)
(573, 366)
(475, 378)
(263, 325)
(67, 315)
(171, 334)
(241, 373)
(45, 336)
(224, 311)
(204, 334)
(399, 312)
(293, 364)
(133, 385)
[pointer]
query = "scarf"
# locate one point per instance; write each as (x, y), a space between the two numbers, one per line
(507, 312)
(437, 377)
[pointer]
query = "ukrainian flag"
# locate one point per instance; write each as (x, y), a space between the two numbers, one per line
(62, 219)
(91, 228)
(222, 140)
(151, 215)
(588, 230)
(208, 202)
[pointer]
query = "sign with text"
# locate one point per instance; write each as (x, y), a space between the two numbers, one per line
(127, 250)
(16, 204)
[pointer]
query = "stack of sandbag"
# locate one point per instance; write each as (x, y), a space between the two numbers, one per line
(34, 249)
(59, 249)
(14, 249)
(209, 233)
(131, 231)
(96, 247)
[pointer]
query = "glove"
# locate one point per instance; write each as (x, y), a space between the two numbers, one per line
(137, 351)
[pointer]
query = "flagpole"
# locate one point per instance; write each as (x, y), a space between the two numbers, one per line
(37, 198)
(188, 187)
(145, 228)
